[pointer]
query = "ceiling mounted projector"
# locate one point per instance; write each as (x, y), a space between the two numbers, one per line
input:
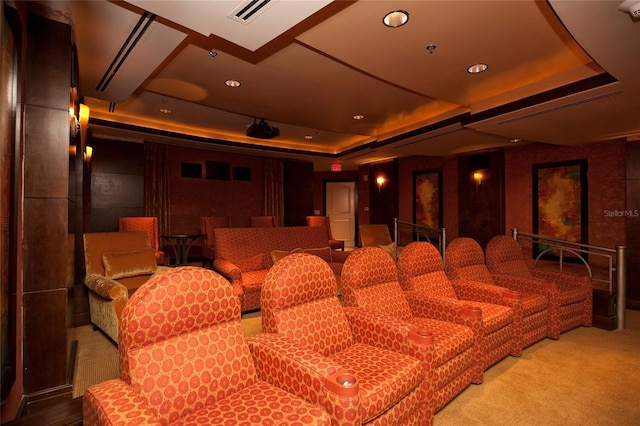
(632, 7)
(262, 130)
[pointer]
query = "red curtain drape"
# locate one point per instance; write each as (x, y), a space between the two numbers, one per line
(274, 189)
(156, 184)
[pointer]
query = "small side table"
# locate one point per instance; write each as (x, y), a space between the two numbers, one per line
(181, 244)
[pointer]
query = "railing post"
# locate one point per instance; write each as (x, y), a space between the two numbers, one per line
(621, 278)
(395, 231)
(514, 233)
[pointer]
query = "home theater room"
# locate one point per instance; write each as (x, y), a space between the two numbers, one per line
(327, 212)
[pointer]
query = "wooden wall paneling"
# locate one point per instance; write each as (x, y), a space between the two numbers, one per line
(383, 202)
(298, 192)
(117, 183)
(633, 224)
(46, 186)
(481, 206)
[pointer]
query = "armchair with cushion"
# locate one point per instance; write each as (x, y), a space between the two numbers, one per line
(487, 309)
(300, 305)
(464, 260)
(570, 295)
(370, 281)
(150, 226)
(116, 264)
(324, 222)
(184, 359)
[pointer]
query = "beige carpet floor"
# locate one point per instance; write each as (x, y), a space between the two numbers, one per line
(588, 377)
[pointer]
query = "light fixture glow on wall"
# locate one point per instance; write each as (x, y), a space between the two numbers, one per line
(380, 180)
(478, 176)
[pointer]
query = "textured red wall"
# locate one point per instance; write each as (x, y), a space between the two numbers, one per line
(191, 198)
(606, 186)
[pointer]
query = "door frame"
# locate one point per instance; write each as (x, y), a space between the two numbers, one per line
(355, 201)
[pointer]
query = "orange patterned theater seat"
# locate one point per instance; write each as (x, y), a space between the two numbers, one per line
(464, 260)
(484, 308)
(184, 360)
(370, 281)
(570, 295)
(244, 255)
(300, 305)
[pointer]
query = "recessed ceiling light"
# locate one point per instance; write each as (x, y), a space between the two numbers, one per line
(165, 110)
(358, 117)
(232, 83)
(477, 68)
(308, 137)
(213, 53)
(515, 140)
(396, 19)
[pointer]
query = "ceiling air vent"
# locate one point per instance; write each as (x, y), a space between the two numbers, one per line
(249, 10)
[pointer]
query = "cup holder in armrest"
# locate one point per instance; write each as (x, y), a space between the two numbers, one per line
(512, 294)
(343, 384)
(421, 336)
(472, 311)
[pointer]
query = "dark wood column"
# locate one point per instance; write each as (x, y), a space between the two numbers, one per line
(46, 175)
(633, 225)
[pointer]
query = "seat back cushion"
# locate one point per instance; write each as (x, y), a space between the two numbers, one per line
(465, 261)
(420, 268)
(370, 280)
(182, 344)
(504, 256)
(299, 300)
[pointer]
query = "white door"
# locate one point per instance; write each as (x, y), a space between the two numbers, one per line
(341, 208)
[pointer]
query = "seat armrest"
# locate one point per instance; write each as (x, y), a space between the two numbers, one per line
(303, 372)
(526, 285)
(227, 269)
(231, 272)
(390, 333)
(561, 276)
(114, 402)
(487, 293)
(106, 287)
(445, 309)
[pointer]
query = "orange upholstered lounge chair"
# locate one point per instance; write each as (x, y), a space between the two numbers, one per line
(370, 281)
(263, 221)
(481, 307)
(324, 222)
(464, 260)
(184, 359)
(300, 304)
(148, 224)
(570, 295)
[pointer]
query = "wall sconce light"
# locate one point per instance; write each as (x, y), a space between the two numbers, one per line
(380, 182)
(478, 176)
(88, 152)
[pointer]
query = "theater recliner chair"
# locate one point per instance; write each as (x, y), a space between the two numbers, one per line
(482, 307)
(300, 306)
(184, 359)
(464, 260)
(570, 295)
(370, 281)
(150, 226)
